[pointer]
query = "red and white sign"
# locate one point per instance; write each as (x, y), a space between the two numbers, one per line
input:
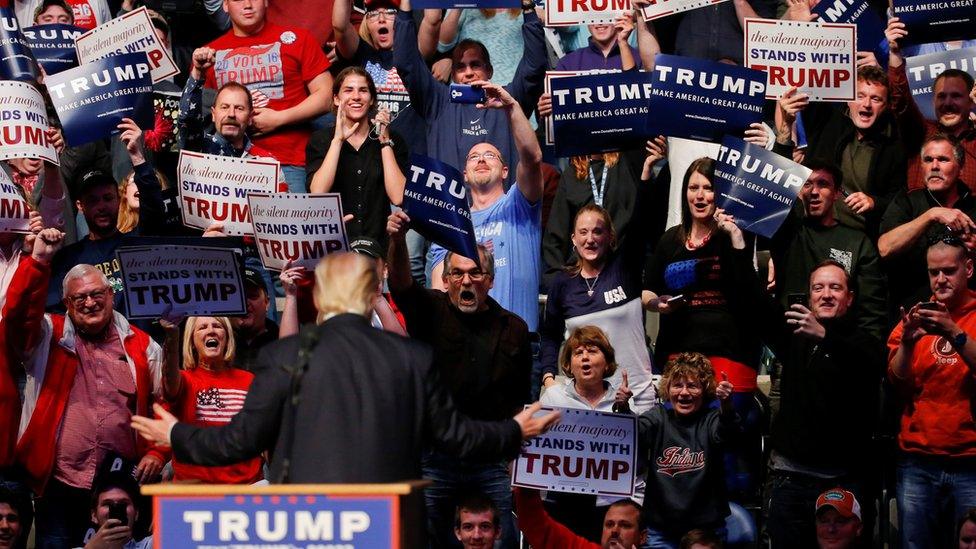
(818, 58)
(128, 33)
(297, 228)
(215, 188)
(14, 213)
(588, 452)
(657, 9)
(23, 123)
(565, 13)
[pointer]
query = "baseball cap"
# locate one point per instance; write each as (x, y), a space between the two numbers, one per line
(252, 276)
(367, 246)
(92, 179)
(841, 500)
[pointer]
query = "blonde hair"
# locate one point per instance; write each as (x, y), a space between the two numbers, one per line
(581, 337)
(190, 357)
(693, 366)
(129, 217)
(345, 283)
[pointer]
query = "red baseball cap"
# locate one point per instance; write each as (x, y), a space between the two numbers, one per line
(841, 500)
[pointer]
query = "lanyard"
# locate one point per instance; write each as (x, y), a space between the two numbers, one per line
(598, 193)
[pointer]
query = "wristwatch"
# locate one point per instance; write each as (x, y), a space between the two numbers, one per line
(387, 143)
(959, 340)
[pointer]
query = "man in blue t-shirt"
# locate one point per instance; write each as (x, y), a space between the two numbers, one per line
(509, 223)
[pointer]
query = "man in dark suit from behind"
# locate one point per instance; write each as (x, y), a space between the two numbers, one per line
(369, 400)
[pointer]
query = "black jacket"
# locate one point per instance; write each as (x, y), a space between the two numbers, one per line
(370, 403)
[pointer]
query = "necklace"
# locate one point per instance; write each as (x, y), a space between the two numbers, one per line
(589, 287)
(692, 246)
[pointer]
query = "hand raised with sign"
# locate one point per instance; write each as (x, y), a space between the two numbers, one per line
(535, 426)
(756, 134)
(657, 150)
(203, 59)
(290, 277)
(624, 25)
(894, 32)
(55, 138)
(545, 105)
(787, 107)
(131, 136)
(799, 10)
(726, 223)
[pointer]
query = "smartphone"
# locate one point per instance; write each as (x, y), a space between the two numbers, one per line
(930, 305)
(116, 510)
(472, 95)
(676, 299)
(796, 299)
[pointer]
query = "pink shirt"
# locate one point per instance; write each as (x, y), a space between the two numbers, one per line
(100, 406)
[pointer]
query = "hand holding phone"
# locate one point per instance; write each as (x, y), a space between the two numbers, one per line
(470, 95)
(117, 511)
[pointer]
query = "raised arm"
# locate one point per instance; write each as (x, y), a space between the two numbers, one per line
(528, 173)
(528, 83)
(427, 37)
(172, 380)
(426, 93)
(393, 153)
(899, 239)
(190, 119)
(346, 37)
(398, 277)
(151, 208)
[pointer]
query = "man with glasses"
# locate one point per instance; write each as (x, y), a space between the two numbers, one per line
(932, 363)
(508, 223)
(484, 357)
(453, 129)
(913, 216)
(87, 374)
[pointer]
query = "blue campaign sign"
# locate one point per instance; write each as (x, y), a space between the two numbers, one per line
(704, 100)
(597, 113)
(16, 60)
(936, 20)
(54, 46)
(922, 71)
(92, 99)
(756, 186)
(870, 26)
(436, 201)
(298, 521)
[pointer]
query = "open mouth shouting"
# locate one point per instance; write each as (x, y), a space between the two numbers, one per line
(211, 343)
(467, 298)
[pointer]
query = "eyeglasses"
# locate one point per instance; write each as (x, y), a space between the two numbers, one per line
(373, 14)
(692, 388)
(946, 238)
(475, 157)
(80, 299)
(476, 275)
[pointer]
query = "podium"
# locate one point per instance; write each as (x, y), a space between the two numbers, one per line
(295, 516)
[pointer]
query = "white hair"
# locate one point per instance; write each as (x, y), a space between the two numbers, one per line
(82, 270)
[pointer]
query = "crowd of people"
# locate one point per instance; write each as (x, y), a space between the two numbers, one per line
(609, 282)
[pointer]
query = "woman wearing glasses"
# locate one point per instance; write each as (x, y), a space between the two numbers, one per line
(365, 167)
(603, 289)
(207, 392)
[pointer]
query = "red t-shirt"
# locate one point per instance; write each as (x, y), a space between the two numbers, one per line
(277, 64)
(211, 399)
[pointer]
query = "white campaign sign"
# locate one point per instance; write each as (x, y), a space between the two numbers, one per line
(300, 228)
(23, 123)
(14, 213)
(588, 452)
(215, 188)
(657, 9)
(565, 13)
(818, 58)
(128, 33)
(192, 280)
